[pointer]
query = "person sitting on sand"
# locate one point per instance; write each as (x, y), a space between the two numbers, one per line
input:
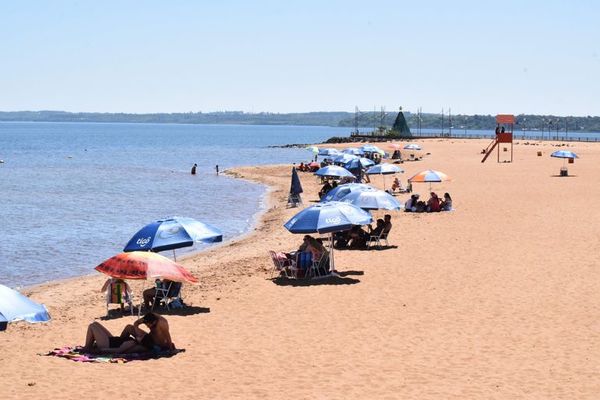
(387, 219)
(433, 204)
(358, 237)
(420, 207)
(396, 185)
(325, 189)
(380, 226)
(411, 204)
(446, 204)
(132, 339)
(150, 294)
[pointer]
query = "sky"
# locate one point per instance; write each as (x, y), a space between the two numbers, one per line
(475, 57)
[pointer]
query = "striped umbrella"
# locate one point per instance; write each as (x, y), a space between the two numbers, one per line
(429, 176)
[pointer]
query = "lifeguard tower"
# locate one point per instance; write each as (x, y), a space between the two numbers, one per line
(504, 134)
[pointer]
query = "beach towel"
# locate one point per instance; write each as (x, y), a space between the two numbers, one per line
(75, 354)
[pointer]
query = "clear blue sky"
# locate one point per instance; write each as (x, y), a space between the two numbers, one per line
(539, 57)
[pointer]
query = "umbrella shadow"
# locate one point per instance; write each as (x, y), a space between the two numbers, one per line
(327, 280)
(378, 248)
(183, 311)
(187, 310)
(564, 176)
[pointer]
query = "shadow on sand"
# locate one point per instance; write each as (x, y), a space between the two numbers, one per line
(368, 248)
(341, 279)
(187, 310)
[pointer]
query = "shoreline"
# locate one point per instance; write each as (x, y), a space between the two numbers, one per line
(264, 203)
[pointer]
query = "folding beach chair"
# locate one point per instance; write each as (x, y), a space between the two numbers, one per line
(318, 266)
(168, 295)
(294, 199)
(283, 264)
(377, 239)
(118, 292)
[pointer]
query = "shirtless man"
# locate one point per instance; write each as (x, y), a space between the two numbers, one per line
(157, 339)
(132, 339)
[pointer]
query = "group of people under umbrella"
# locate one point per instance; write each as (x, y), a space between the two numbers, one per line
(140, 261)
(344, 207)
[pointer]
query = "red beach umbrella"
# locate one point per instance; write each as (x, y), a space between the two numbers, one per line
(144, 265)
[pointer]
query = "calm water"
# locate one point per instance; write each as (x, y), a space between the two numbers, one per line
(73, 194)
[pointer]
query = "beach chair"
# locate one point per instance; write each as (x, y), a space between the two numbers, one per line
(294, 199)
(118, 292)
(282, 264)
(169, 295)
(316, 266)
(377, 239)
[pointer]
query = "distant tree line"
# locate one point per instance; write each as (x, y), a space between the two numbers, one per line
(475, 122)
(340, 119)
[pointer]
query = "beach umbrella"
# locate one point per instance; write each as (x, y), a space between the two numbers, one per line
(372, 200)
(384, 169)
(361, 162)
(329, 217)
(329, 152)
(564, 154)
(369, 148)
(295, 189)
(314, 165)
(412, 146)
(172, 233)
(344, 158)
(395, 146)
(429, 176)
(14, 307)
(313, 149)
(333, 171)
(296, 186)
(340, 191)
(354, 151)
(144, 265)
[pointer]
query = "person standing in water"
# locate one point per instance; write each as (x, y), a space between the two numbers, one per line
(217, 168)
(194, 169)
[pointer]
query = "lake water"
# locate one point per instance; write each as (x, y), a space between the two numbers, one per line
(72, 194)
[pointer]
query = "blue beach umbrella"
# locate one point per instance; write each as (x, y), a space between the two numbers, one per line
(337, 193)
(369, 148)
(353, 151)
(384, 169)
(296, 186)
(14, 306)
(372, 200)
(333, 171)
(361, 162)
(564, 154)
(330, 217)
(412, 146)
(329, 152)
(344, 158)
(333, 216)
(171, 234)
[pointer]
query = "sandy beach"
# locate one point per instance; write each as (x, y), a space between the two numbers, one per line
(495, 300)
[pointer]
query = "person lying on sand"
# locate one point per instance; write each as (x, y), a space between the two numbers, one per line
(132, 339)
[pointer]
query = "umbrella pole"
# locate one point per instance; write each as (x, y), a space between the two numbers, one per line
(174, 257)
(331, 260)
(383, 181)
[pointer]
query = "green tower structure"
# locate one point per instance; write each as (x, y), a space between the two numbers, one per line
(400, 126)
